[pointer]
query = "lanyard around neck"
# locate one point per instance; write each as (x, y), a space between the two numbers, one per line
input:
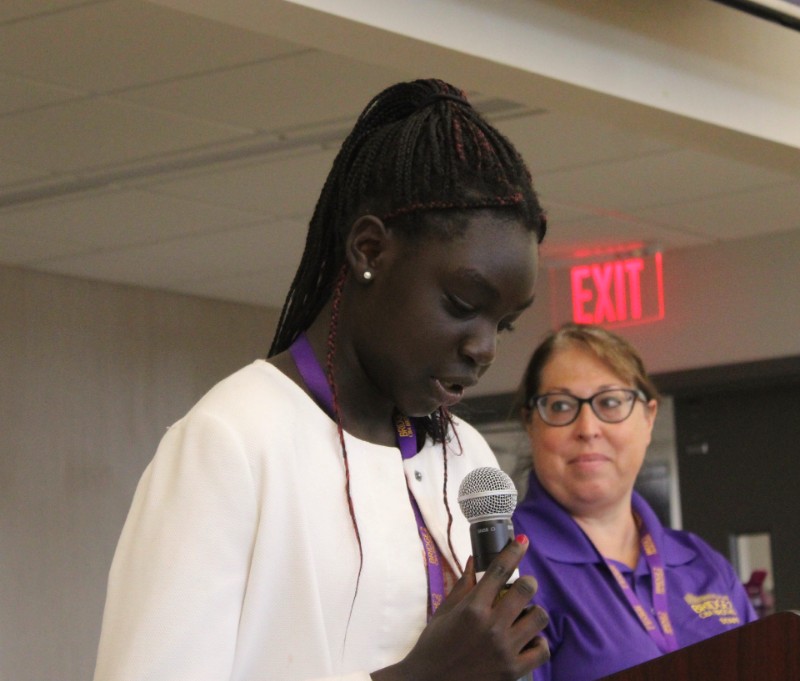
(662, 634)
(317, 382)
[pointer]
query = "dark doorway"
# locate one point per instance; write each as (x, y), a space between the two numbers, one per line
(738, 442)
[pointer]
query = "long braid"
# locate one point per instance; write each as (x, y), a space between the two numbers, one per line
(446, 417)
(329, 361)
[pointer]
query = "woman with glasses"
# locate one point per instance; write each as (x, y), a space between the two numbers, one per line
(619, 587)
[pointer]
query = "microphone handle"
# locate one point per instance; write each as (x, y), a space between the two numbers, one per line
(489, 537)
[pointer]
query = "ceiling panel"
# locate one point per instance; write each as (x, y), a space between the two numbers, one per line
(282, 186)
(28, 248)
(14, 173)
(137, 266)
(657, 180)
(20, 93)
(201, 262)
(237, 250)
(552, 142)
(303, 89)
(106, 46)
(115, 219)
(14, 10)
(87, 134)
(736, 215)
(257, 288)
(612, 233)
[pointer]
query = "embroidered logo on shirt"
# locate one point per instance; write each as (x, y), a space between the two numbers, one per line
(713, 605)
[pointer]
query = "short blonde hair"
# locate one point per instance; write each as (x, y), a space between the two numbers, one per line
(613, 350)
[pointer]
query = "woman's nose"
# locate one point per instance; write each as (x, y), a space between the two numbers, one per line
(481, 345)
(587, 424)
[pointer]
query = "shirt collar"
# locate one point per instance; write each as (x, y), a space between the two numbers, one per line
(555, 534)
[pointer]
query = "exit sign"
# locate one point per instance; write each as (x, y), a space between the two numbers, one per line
(613, 292)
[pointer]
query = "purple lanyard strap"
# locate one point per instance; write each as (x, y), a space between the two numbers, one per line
(663, 635)
(317, 382)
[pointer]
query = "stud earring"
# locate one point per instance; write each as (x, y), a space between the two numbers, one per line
(367, 276)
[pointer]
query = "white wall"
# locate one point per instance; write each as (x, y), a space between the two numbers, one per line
(92, 374)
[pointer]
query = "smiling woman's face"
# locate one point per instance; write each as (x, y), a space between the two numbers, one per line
(588, 466)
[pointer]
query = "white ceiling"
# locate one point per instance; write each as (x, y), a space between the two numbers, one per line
(146, 146)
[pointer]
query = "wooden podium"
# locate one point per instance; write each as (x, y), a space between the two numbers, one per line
(765, 650)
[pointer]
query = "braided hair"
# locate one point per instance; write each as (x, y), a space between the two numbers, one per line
(417, 148)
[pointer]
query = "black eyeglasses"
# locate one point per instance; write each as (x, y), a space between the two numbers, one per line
(610, 406)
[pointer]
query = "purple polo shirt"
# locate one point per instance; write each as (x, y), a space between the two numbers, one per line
(593, 630)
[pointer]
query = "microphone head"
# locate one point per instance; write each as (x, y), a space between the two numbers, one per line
(486, 493)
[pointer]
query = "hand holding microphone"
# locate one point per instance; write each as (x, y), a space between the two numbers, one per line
(487, 497)
(475, 635)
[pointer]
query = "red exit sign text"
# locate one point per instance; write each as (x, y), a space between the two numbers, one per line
(618, 292)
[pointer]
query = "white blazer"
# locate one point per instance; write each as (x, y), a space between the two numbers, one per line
(238, 560)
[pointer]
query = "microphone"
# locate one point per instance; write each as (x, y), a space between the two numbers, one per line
(487, 498)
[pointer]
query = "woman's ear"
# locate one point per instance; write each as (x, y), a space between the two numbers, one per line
(651, 411)
(366, 243)
(526, 416)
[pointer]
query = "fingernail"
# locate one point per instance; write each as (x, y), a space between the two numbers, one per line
(522, 539)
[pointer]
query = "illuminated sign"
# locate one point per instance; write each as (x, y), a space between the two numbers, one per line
(617, 292)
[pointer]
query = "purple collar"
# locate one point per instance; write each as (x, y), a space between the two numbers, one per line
(563, 540)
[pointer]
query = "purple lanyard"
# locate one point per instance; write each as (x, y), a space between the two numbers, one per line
(317, 382)
(664, 637)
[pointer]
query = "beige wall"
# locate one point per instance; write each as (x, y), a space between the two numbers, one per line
(92, 374)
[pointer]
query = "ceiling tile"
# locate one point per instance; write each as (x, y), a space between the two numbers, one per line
(203, 265)
(30, 249)
(14, 10)
(125, 43)
(736, 215)
(100, 132)
(14, 173)
(232, 251)
(17, 94)
(119, 218)
(133, 266)
(257, 288)
(655, 180)
(552, 141)
(608, 234)
(285, 186)
(294, 92)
